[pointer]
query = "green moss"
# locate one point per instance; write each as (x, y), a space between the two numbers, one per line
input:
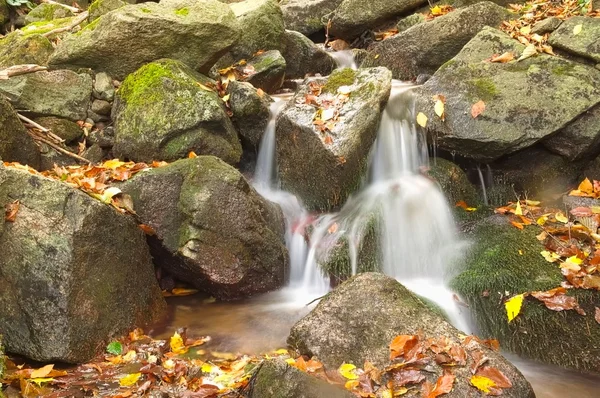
(483, 88)
(496, 269)
(41, 27)
(314, 22)
(89, 27)
(182, 12)
(447, 64)
(563, 69)
(339, 77)
(145, 10)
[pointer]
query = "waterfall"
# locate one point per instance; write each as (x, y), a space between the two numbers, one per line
(344, 59)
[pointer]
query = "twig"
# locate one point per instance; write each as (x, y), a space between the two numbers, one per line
(41, 128)
(82, 17)
(318, 298)
(17, 70)
(70, 8)
(58, 148)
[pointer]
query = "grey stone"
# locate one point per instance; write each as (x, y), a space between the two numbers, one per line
(525, 101)
(162, 113)
(101, 107)
(262, 27)
(307, 16)
(103, 87)
(250, 111)
(74, 272)
(94, 154)
(585, 44)
(579, 139)
(410, 21)
(101, 7)
(65, 129)
(105, 137)
(17, 48)
(269, 71)
(215, 231)
(303, 57)
(61, 93)
(547, 25)
(15, 144)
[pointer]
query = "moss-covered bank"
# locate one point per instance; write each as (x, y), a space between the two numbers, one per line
(505, 261)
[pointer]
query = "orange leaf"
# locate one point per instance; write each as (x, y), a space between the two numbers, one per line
(192, 155)
(586, 186)
(443, 385)
(495, 375)
(517, 224)
(402, 344)
(477, 109)
(11, 210)
(148, 230)
(504, 58)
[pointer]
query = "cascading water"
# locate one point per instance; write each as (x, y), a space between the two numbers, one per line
(344, 59)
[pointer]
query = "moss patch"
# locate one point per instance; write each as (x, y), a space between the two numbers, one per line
(483, 88)
(339, 77)
(495, 266)
(182, 12)
(41, 27)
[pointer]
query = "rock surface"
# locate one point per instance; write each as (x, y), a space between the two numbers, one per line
(352, 17)
(495, 264)
(453, 182)
(324, 171)
(165, 110)
(65, 129)
(276, 379)
(15, 144)
(585, 44)
(61, 93)
(268, 71)
(525, 101)
(262, 27)
(196, 33)
(303, 57)
(426, 46)
(306, 16)
(580, 139)
(101, 7)
(73, 272)
(250, 111)
(47, 12)
(215, 231)
(357, 321)
(17, 48)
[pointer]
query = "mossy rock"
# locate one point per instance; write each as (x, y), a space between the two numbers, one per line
(101, 7)
(505, 261)
(2, 359)
(47, 12)
(261, 22)
(307, 17)
(15, 144)
(269, 71)
(17, 48)
(45, 26)
(585, 43)
(65, 129)
(164, 111)
(4, 12)
(454, 182)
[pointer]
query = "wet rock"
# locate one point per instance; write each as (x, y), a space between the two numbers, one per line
(161, 112)
(61, 93)
(262, 27)
(372, 309)
(303, 57)
(104, 137)
(68, 287)
(503, 257)
(196, 33)
(250, 111)
(547, 25)
(584, 44)
(324, 168)
(276, 379)
(18, 48)
(579, 139)
(15, 144)
(101, 107)
(525, 101)
(47, 12)
(50, 157)
(215, 231)
(65, 129)
(307, 17)
(269, 71)
(103, 87)
(426, 46)
(453, 182)
(101, 7)
(409, 22)
(352, 17)
(94, 153)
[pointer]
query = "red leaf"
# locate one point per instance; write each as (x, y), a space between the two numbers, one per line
(477, 109)
(495, 375)
(403, 377)
(557, 300)
(517, 224)
(11, 210)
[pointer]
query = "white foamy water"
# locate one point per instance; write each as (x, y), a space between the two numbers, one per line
(344, 59)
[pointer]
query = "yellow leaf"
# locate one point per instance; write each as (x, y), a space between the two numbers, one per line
(113, 164)
(376, 56)
(290, 361)
(595, 209)
(348, 371)
(525, 30)
(177, 345)
(551, 257)
(586, 186)
(130, 356)
(42, 372)
(532, 202)
(542, 219)
(520, 252)
(561, 217)
(225, 98)
(577, 29)
(439, 108)
(400, 391)
(129, 380)
(203, 87)
(40, 380)
(482, 383)
(281, 351)
(210, 368)
(351, 384)
(513, 306)
(108, 194)
(574, 260)
(529, 51)
(421, 119)
(518, 210)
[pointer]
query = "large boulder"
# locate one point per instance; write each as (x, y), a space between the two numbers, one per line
(352, 17)
(324, 167)
(585, 43)
(505, 261)
(580, 139)
(357, 322)
(426, 46)
(61, 93)
(213, 230)
(261, 22)
(17, 48)
(15, 144)
(453, 182)
(250, 111)
(307, 17)
(47, 12)
(268, 71)
(525, 101)
(73, 272)
(274, 378)
(303, 57)
(101, 7)
(165, 110)
(194, 32)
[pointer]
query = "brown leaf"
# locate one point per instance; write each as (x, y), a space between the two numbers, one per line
(458, 354)
(11, 210)
(557, 300)
(148, 230)
(402, 344)
(597, 314)
(403, 377)
(443, 385)
(517, 224)
(479, 359)
(496, 375)
(504, 58)
(477, 109)
(582, 212)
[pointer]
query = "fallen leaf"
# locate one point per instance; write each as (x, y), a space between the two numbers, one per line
(10, 211)
(513, 306)
(477, 109)
(561, 217)
(443, 385)
(586, 186)
(518, 209)
(597, 314)
(551, 257)
(421, 119)
(348, 370)
(529, 51)
(482, 383)
(439, 108)
(504, 58)
(402, 344)
(495, 375)
(130, 379)
(192, 155)
(557, 300)
(41, 372)
(115, 348)
(517, 224)
(148, 230)
(577, 29)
